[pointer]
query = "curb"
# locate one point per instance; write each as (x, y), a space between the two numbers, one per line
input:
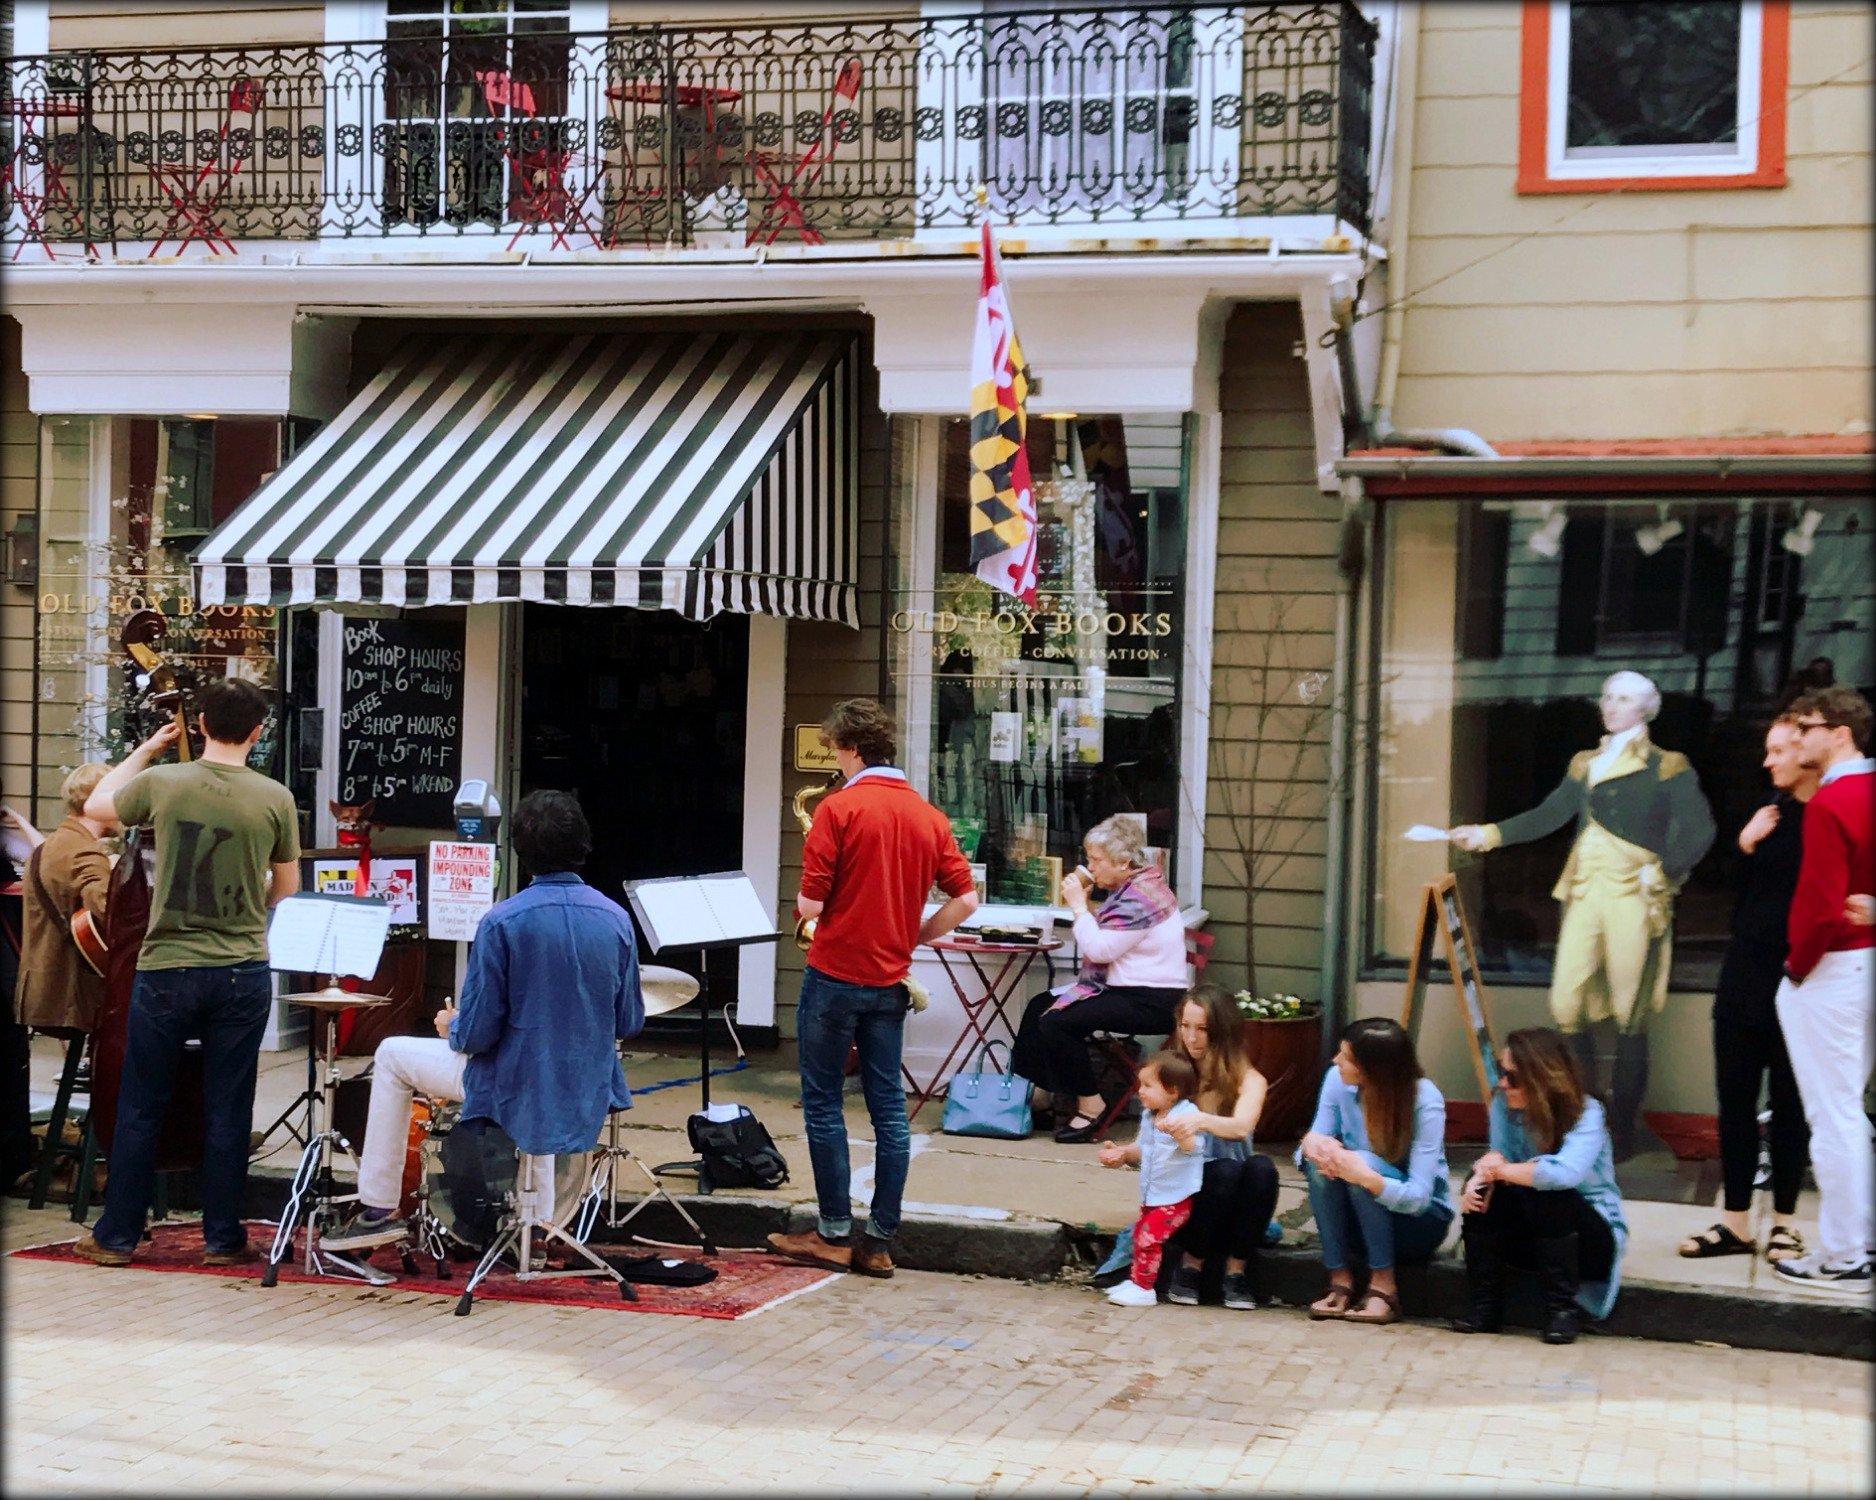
(1037, 1250)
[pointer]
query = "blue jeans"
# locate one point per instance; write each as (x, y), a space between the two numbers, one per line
(1350, 1218)
(227, 1008)
(831, 1016)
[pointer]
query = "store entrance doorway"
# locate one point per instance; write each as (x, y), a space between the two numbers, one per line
(641, 714)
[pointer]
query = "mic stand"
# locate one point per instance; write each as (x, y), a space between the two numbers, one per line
(703, 951)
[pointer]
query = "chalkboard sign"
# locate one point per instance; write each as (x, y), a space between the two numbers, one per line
(1443, 920)
(400, 719)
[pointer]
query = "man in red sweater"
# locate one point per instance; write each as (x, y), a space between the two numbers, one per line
(1824, 1003)
(875, 849)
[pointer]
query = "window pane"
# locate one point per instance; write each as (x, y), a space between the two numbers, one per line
(1654, 75)
(1462, 736)
(1046, 721)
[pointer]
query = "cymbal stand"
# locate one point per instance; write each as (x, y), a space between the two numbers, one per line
(603, 1189)
(315, 1193)
(518, 1230)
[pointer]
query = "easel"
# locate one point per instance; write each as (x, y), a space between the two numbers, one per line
(1443, 918)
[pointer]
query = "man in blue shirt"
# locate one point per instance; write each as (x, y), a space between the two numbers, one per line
(552, 982)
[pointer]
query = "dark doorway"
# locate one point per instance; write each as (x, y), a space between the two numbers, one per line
(640, 713)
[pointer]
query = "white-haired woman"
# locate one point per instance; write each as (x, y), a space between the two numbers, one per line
(1132, 976)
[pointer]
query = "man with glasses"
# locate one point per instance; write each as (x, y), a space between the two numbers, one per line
(1824, 1002)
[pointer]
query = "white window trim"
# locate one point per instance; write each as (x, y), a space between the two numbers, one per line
(1630, 161)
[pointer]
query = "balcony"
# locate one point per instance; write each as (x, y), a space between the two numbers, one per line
(1168, 121)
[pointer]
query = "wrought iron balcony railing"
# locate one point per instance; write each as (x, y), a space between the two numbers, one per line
(1200, 115)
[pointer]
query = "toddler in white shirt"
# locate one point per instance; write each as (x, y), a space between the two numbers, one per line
(1170, 1174)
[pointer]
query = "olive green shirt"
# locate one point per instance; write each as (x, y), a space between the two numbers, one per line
(219, 829)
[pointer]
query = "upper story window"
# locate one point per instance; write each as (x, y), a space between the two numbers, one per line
(1677, 95)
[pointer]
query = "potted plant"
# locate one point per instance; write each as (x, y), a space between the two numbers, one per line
(1283, 1034)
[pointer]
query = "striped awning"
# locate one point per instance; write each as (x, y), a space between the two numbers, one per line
(698, 472)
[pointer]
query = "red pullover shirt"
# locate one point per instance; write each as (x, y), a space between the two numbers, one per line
(875, 849)
(1839, 861)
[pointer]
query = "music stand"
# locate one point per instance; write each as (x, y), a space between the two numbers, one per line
(700, 914)
(330, 935)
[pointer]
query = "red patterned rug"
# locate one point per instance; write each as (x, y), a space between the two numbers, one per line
(745, 1282)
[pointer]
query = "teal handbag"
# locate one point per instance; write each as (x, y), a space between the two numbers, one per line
(992, 1104)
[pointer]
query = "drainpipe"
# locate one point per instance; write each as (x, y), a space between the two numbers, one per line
(1333, 967)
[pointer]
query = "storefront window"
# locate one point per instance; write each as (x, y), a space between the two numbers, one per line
(1044, 721)
(124, 503)
(1498, 623)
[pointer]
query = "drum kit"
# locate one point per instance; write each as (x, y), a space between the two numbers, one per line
(465, 1201)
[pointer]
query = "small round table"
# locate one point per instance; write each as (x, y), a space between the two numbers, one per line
(992, 1003)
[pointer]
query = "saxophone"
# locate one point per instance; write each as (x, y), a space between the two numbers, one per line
(916, 993)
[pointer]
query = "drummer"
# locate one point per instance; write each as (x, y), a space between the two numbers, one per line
(553, 981)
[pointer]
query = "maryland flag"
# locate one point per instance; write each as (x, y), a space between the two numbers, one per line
(1003, 501)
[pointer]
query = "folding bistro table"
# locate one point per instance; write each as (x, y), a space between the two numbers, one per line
(994, 994)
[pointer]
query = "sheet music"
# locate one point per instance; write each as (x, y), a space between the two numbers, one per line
(688, 912)
(328, 935)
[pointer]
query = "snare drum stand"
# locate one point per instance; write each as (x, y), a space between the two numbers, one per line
(314, 1175)
(603, 1188)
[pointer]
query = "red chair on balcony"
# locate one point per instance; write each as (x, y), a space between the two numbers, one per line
(783, 209)
(196, 196)
(34, 189)
(539, 192)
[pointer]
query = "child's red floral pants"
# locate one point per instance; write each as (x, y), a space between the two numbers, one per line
(1151, 1230)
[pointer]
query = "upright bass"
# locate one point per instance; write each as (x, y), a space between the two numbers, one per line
(127, 917)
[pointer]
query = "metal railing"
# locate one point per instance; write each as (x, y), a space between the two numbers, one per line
(657, 135)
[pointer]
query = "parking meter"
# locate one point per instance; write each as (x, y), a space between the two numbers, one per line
(478, 812)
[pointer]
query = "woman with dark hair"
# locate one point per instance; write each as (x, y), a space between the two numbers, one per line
(1239, 1191)
(1544, 1198)
(1375, 1157)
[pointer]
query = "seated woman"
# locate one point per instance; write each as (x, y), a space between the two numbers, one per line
(1375, 1157)
(1544, 1198)
(1132, 979)
(1239, 1190)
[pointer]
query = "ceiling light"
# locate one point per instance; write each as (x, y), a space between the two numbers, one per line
(1800, 538)
(1547, 540)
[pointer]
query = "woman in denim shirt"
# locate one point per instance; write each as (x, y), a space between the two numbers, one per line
(1544, 1197)
(1375, 1157)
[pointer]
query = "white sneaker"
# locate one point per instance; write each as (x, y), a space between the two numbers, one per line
(1828, 1278)
(1128, 1294)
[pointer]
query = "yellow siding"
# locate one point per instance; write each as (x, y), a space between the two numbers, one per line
(1635, 314)
(18, 471)
(1275, 626)
(113, 25)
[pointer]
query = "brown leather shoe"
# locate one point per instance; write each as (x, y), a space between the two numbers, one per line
(89, 1249)
(811, 1250)
(247, 1255)
(873, 1258)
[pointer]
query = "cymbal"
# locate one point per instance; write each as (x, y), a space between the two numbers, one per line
(333, 998)
(665, 990)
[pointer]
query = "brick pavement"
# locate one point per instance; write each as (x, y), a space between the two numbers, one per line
(125, 1380)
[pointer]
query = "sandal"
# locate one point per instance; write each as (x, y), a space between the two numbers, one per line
(1318, 1312)
(1391, 1313)
(1715, 1240)
(1783, 1243)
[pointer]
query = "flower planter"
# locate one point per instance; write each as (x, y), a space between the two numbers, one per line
(1689, 1137)
(1468, 1122)
(1289, 1055)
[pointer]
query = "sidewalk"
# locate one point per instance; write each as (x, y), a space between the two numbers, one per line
(1032, 1208)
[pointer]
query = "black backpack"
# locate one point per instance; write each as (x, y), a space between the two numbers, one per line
(738, 1152)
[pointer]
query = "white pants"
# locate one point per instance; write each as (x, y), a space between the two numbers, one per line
(406, 1065)
(1829, 1023)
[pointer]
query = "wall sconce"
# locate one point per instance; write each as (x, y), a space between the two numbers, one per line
(1547, 540)
(1801, 538)
(19, 552)
(1651, 539)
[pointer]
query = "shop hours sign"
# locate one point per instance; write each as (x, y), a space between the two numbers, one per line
(400, 719)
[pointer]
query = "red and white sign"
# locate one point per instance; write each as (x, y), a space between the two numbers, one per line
(462, 887)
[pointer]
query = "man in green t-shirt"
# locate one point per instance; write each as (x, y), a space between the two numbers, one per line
(227, 848)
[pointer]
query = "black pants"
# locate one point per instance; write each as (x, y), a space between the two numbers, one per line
(16, 1068)
(1743, 1053)
(1232, 1210)
(1051, 1048)
(1518, 1217)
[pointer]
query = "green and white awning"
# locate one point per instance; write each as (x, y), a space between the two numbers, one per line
(698, 472)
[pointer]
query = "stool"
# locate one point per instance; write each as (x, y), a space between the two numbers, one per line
(75, 1043)
(1119, 1048)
